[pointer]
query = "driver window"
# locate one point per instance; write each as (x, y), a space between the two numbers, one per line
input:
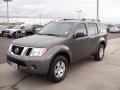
(81, 29)
(23, 27)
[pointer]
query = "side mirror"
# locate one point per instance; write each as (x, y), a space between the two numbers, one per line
(78, 35)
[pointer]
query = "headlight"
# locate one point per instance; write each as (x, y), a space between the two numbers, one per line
(10, 47)
(38, 51)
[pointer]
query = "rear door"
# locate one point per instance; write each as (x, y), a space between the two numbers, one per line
(93, 37)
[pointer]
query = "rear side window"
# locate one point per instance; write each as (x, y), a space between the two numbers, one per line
(92, 29)
(23, 27)
(81, 28)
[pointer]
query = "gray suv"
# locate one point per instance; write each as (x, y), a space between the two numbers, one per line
(56, 46)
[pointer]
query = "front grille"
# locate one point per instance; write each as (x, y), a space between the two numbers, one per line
(20, 63)
(29, 51)
(17, 50)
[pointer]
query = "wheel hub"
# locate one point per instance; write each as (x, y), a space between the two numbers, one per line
(101, 53)
(59, 69)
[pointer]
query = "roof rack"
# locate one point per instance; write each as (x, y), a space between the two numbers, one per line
(69, 19)
(84, 19)
(88, 19)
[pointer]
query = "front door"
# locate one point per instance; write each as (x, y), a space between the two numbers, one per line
(80, 44)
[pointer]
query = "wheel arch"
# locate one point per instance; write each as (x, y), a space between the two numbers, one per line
(102, 41)
(65, 54)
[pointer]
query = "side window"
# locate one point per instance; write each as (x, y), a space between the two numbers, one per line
(81, 28)
(23, 27)
(102, 28)
(92, 29)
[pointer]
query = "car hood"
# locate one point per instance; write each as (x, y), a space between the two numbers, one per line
(38, 41)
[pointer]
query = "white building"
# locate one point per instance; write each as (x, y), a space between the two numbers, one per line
(26, 20)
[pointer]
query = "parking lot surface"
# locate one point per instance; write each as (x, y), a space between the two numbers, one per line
(83, 75)
(4, 44)
(113, 35)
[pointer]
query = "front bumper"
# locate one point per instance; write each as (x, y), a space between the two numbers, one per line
(8, 34)
(34, 65)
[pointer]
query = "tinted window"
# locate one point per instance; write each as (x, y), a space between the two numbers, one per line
(23, 27)
(92, 29)
(81, 28)
(10, 27)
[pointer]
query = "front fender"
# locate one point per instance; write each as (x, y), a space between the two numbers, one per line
(58, 49)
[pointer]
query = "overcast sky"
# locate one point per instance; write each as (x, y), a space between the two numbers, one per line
(109, 9)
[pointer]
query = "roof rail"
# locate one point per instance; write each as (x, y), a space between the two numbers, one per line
(69, 19)
(88, 19)
(84, 19)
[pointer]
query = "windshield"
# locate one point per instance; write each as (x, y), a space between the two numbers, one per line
(17, 27)
(57, 29)
(10, 27)
(29, 27)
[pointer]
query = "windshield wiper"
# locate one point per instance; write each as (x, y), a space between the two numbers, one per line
(50, 34)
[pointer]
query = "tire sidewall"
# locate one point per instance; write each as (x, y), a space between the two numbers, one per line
(16, 35)
(97, 55)
(51, 75)
(101, 46)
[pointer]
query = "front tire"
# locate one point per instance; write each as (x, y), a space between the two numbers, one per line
(17, 35)
(14, 35)
(100, 53)
(58, 69)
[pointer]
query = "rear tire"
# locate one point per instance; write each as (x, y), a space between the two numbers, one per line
(100, 53)
(58, 69)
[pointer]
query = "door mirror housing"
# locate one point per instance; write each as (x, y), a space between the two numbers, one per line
(78, 35)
